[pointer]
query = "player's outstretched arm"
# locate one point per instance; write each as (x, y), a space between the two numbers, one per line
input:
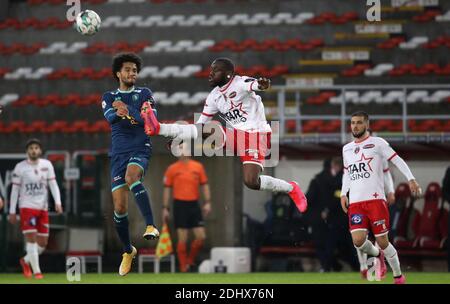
(404, 169)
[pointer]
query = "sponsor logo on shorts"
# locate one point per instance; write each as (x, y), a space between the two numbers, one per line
(380, 223)
(33, 221)
(356, 219)
(135, 159)
(368, 146)
(115, 179)
(44, 169)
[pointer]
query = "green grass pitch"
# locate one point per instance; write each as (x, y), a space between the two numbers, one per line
(247, 278)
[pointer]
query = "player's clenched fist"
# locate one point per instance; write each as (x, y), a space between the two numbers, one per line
(121, 108)
(263, 83)
(415, 188)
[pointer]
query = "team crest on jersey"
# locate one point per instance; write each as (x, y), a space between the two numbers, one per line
(356, 150)
(232, 94)
(135, 97)
(368, 146)
(356, 219)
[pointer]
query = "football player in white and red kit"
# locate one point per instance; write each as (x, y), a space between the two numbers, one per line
(390, 198)
(30, 182)
(367, 209)
(234, 97)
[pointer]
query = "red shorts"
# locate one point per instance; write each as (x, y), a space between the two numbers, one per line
(373, 215)
(33, 220)
(251, 147)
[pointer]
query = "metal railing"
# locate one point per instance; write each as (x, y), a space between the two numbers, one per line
(344, 117)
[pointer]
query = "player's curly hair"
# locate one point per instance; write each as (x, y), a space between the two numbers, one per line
(120, 58)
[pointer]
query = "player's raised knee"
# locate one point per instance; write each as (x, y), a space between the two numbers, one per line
(131, 179)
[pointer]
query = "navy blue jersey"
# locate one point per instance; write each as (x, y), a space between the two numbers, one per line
(127, 133)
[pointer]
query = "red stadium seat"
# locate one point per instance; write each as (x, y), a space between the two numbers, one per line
(429, 235)
(78, 126)
(100, 126)
(35, 126)
(57, 126)
(404, 202)
(15, 126)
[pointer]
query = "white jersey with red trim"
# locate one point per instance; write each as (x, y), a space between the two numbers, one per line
(238, 104)
(32, 179)
(365, 163)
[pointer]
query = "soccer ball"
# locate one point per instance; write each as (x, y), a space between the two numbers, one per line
(88, 22)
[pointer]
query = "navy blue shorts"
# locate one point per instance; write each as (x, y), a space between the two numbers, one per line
(120, 162)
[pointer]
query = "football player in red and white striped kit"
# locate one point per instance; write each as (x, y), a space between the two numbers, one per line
(30, 182)
(364, 164)
(234, 98)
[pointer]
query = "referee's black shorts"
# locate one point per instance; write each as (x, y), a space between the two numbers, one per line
(187, 214)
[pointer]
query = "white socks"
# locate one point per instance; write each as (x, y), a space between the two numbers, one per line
(392, 258)
(178, 131)
(362, 258)
(369, 248)
(274, 184)
(32, 257)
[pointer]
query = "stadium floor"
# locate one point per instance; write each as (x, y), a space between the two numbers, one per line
(247, 278)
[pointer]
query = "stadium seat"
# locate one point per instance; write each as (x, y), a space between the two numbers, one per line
(148, 255)
(429, 234)
(86, 246)
(401, 218)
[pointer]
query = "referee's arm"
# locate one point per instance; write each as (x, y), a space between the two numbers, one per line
(166, 208)
(207, 197)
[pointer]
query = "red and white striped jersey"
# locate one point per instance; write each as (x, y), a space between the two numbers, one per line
(238, 104)
(364, 165)
(32, 179)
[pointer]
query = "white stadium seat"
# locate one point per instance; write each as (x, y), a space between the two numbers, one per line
(443, 18)
(393, 96)
(300, 18)
(178, 97)
(193, 20)
(8, 98)
(416, 96)
(437, 96)
(236, 19)
(150, 21)
(148, 71)
(214, 20)
(379, 70)
(256, 19)
(160, 97)
(189, 70)
(414, 42)
(200, 46)
(279, 18)
(203, 20)
(172, 20)
(370, 96)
